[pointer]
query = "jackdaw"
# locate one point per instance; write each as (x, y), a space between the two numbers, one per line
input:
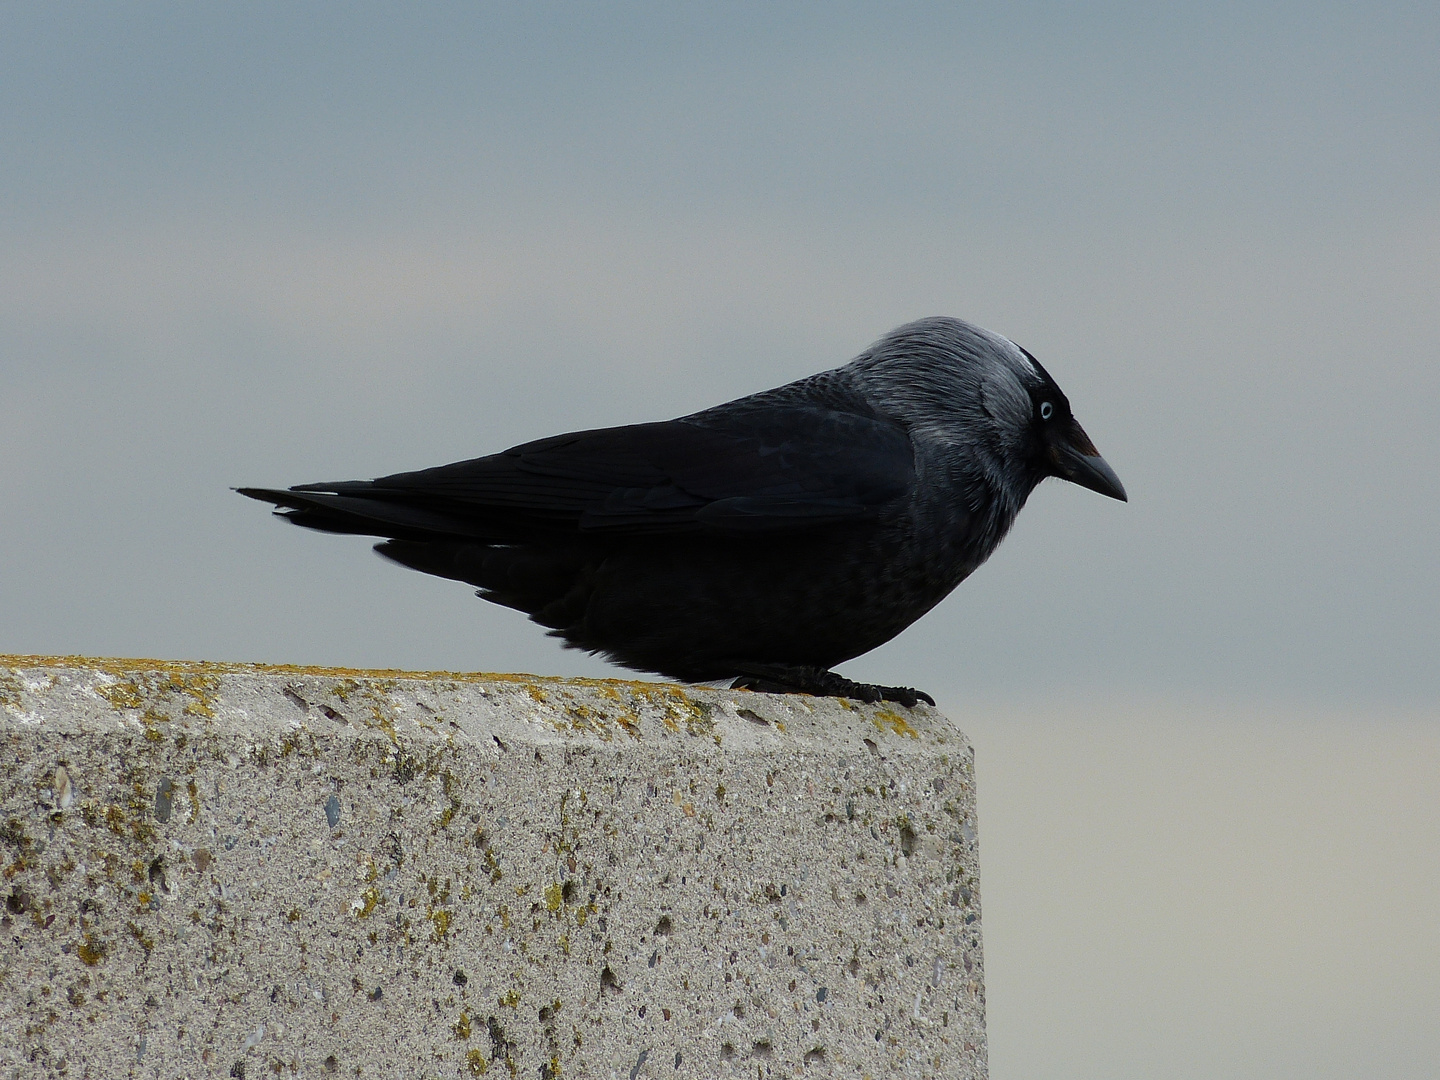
(764, 540)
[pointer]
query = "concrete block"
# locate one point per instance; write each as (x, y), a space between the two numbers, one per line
(247, 871)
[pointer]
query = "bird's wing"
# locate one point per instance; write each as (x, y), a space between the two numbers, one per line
(748, 471)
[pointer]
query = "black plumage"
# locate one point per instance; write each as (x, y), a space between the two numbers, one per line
(764, 540)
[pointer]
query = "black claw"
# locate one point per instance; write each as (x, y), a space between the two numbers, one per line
(777, 679)
(904, 695)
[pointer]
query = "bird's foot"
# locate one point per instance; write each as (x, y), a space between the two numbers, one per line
(784, 679)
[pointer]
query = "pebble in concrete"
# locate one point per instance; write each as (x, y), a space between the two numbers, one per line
(223, 870)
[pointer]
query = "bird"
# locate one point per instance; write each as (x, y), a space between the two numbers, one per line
(765, 540)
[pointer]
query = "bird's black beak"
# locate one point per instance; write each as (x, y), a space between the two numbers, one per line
(1075, 459)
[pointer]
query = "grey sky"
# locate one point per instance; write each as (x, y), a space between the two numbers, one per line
(286, 244)
(269, 244)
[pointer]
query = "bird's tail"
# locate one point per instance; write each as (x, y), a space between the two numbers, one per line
(361, 507)
(550, 582)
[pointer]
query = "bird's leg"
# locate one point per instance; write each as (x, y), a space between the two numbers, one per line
(786, 679)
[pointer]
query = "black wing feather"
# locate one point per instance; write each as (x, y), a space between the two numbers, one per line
(779, 468)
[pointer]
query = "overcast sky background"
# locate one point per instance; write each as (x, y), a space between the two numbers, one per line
(276, 243)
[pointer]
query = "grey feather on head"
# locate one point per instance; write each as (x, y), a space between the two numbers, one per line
(955, 384)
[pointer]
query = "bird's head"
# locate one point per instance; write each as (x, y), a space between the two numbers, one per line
(989, 399)
(1058, 444)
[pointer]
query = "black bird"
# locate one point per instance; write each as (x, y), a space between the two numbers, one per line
(764, 540)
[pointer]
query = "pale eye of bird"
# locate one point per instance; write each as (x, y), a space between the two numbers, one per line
(1046, 410)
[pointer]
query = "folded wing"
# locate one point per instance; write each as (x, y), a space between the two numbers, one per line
(781, 468)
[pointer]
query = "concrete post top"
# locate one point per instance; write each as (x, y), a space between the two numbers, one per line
(453, 707)
(246, 870)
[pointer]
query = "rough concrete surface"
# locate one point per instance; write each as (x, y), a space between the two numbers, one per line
(226, 870)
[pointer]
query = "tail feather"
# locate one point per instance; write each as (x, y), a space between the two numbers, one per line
(548, 579)
(362, 509)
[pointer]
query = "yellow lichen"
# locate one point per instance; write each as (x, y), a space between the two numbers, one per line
(144, 683)
(90, 950)
(146, 941)
(122, 695)
(441, 918)
(895, 721)
(369, 900)
(345, 689)
(11, 689)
